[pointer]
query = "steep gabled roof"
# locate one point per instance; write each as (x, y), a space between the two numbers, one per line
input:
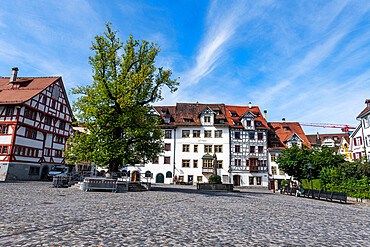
(188, 113)
(28, 88)
(285, 130)
(240, 111)
(314, 141)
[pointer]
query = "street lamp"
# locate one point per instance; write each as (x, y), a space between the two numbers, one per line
(310, 167)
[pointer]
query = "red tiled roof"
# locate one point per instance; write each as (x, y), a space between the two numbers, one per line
(365, 110)
(189, 112)
(313, 138)
(29, 87)
(291, 128)
(240, 110)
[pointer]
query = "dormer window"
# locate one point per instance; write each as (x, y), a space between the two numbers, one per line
(258, 124)
(207, 119)
(187, 120)
(286, 128)
(335, 138)
(167, 120)
(249, 123)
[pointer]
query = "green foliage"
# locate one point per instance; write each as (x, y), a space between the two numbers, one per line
(116, 108)
(214, 179)
(306, 184)
(285, 182)
(294, 161)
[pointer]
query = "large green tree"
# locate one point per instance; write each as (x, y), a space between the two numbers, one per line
(294, 161)
(116, 112)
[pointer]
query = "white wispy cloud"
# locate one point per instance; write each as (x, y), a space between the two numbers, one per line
(221, 27)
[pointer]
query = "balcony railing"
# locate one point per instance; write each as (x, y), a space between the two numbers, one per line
(254, 169)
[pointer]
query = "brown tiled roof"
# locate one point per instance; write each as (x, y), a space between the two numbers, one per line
(367, 109)
(190, 112)
(240, 110)
(313, 138)
(29, 87)
(283, 135)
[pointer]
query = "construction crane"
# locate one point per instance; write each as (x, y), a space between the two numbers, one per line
(343, 127)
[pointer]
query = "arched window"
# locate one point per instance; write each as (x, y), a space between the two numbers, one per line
(168, 174)
(148, 174)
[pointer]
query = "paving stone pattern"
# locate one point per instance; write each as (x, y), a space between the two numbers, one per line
(35, 214)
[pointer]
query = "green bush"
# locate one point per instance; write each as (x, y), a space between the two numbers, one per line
(214, 179)
(306, 184)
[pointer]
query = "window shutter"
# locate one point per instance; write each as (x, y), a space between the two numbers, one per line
(354, 141)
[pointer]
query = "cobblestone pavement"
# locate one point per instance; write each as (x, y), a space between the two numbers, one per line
(34, 214)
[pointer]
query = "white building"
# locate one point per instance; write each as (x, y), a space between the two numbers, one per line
(34, 125)
(282, 135)
(360, 138)
(248, 142)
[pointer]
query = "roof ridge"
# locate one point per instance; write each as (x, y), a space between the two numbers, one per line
(56, 76)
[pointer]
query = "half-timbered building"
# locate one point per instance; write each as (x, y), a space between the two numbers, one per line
(35, 118)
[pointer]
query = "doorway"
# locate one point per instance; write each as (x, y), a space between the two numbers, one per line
(44, 173)
(135, 176)
(236, 180)
(159, 178)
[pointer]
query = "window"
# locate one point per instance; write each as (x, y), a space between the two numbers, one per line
(47, 120)
(30, 133)
(199, 178)
(273, 170)
(156, 160)
(281, 172)
(16, 150)
(249, 123)
(59, 139)
(260, 149)
(186, 148)
(61, 108)
(253, 149)
(167, 147)
(238, 162)
(237, 135)
(28, 113)
(218, 148)
(187, 120)
(53, 104)
(251, 180)
(185, 163)
(21, 151)
(185, 133)
(4, 149)
(207, 164)
(195, 163)
(34, 170)
(218, 133)
(237, 149)
(207, 119)
(259, 180)
(260, 136)
(181, 178)
(167, 120)
(44, 100)
(273, 157)
(208, 148)
(251, 136)
(196, 133)
(4, 129)
(167, 134)
(58, 153)
(9, 111)
(62, 124)
(166, 160)
(195, 148)
(208, 133)
(219, 163)
(335, 138)
(168, 174)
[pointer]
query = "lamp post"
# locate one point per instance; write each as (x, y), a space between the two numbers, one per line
(310, 167)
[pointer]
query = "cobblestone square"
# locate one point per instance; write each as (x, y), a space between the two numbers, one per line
(35, 214)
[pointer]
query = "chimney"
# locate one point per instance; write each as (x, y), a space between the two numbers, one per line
(283, 120)
(265, 113)
(250, 105)
(367, 102)
(13, 77)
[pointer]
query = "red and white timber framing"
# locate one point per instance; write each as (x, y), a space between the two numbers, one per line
(34, 132)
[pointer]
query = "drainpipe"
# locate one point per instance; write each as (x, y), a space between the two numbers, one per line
(363, 137)
(174, 154)
(230, 169)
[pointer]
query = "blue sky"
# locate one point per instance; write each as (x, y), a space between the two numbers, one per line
(307, 61)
